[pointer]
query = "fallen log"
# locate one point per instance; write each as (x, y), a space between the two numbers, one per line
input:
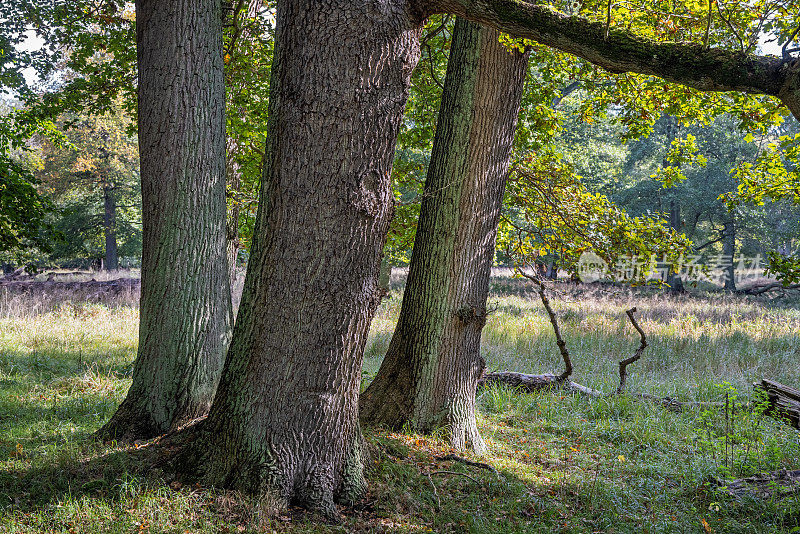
(772, 485)
(18, 274)
(545, 382)
(533, 383)
(765, 288)
(783, 402)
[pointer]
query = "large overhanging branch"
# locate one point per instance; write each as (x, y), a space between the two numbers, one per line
(619, 50)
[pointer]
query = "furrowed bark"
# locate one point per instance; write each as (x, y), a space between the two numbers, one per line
(431, 369)
(185, 301)
(618, 50)
(285, 418)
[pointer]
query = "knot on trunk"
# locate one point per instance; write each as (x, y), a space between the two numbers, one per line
(472, 315)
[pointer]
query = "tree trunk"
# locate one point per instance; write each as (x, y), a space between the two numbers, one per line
(110, 227)
(729, 253)
(233, 175)
(552, 271)
(285, 418)
(430, 371)
(674, 279)
(185, 301)
(385, 275)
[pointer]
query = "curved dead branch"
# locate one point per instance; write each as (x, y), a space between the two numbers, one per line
(562, 345)
(623, 365)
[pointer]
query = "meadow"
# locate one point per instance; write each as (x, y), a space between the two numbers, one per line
(564, 463)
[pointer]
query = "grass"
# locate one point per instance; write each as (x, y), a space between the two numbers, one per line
(565, 463)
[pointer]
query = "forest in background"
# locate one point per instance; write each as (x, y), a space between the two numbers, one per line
(597, 166)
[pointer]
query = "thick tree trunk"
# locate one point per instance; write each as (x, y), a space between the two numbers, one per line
(674, 279)
(110, 227)
(185, 301)
(285, 418)
(729, 253)
(430, 371)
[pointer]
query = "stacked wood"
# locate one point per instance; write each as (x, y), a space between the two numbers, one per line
(112, 286)
(784, 401)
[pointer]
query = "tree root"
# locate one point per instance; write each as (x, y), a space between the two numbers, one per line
(465, 461)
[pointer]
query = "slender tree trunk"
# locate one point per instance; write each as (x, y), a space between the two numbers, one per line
(110, 227)
(185, 301)
(431, 369)
(729, 253)
(385, 275)
(552, 271)
(285, 418)
(674, 279)
(233, 175)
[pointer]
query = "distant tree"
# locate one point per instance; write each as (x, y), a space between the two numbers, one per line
(92, 175)
(23, 211)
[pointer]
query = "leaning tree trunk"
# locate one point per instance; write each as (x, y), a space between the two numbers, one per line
(433, 364)
(110, 227)
(285, 418)
(185, 301)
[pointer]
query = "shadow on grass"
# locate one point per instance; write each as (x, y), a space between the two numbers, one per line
(45, 365)
(101, 474)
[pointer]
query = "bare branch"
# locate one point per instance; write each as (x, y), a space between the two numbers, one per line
(636, 355)
(562, 345)
(690, 64)
(784, 51)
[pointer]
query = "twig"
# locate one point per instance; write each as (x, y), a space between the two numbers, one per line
(435, 493)
(608, 20)
(636, 355)
(454, 473)
(786, 53)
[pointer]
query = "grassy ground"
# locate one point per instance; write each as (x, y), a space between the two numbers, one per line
(565, 464)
